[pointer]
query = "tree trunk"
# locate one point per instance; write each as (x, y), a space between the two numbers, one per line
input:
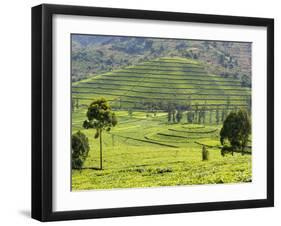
(100, 149)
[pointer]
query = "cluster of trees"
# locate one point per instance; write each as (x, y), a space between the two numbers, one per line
(174, 115)
(234, 134)
(246, 81)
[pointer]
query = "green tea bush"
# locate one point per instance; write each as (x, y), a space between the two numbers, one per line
(205, 153)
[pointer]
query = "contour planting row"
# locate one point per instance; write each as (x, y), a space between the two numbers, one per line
(147, 141)
(165, 70)
(173, 78)
(174, 92)
(125, 105)
(165, 65)
(112, 81)
(154, 98)
(157, 72)
(149, 89)
(181, 93)
(113, 85)
(174, 61)
(169, 75)
(175, 137)
(201, 104)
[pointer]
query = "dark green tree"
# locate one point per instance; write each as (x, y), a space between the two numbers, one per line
(179, 116)
(174, 112)
(205, 153)
(246, 81)
(196, 112)
(190, 116)
(249, 105)
(223, 113)
(77, 103)
(217, 116)
(211, 116)
(130, 112)
(203, 116)
(199, 117)
(169, 116)
(236, 129)
(227, 104)
(189, 103)
(72, 104)
(79, 149)
(100, 117)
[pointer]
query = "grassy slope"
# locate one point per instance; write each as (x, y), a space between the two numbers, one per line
(131, 161)
(169, 79)
(146, 151)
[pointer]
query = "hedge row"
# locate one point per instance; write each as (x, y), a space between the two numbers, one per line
(157, 87)
(154, 98)
(179, 79)
(167, 82)
(155, 92)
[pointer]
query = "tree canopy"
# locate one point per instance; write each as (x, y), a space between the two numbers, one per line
(100, 117)
(80, 149)
(236, 129)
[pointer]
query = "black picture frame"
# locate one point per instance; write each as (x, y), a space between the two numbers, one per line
(42, 111)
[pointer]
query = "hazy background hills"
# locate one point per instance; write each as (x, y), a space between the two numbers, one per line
(93, 54)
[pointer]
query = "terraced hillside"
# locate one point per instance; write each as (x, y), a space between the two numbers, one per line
(144, 149)
(156, 83)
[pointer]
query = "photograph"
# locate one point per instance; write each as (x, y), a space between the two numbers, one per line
(152, 112)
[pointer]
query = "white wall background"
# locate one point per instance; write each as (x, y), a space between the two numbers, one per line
(15, 120)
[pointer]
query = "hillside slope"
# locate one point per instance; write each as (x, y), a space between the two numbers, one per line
(155, 84)
(95, 54)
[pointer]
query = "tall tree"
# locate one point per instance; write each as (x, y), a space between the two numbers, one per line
(223, 115)
(227, 104)
(211, 117)
(249, 105)
(246, 81)
(174, 112)
(190, 116)
(196, 112)
(130, 112)
(204, 109)
(169, 115)
(236, 129)
(77, 103)
(100, 117)
(189, 103)
(72, 104)
(217, 116)
(179, 116)
(200, 117)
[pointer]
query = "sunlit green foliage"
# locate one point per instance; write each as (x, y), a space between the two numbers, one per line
(236, 129)
(80, 149)
(100, 117)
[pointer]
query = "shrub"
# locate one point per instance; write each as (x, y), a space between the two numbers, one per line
(205, 153)
(80, 149)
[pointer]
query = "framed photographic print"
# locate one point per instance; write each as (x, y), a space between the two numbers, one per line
(146, 112)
